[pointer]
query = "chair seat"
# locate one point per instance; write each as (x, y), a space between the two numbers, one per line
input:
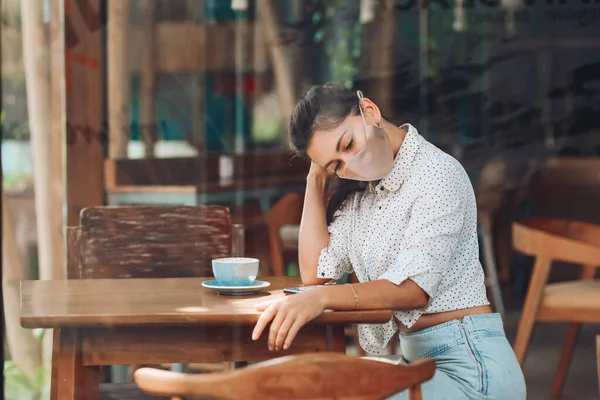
(289, 236)
(580, 300)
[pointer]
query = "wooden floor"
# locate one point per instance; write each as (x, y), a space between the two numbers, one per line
(542, 359)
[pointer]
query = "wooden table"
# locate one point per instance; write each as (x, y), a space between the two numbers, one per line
(135, 321)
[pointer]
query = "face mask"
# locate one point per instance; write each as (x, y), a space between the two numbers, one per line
(376, 159)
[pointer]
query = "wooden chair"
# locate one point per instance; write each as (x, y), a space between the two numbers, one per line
(497, 188)
(307, 376)
(149, 242)
(567, 188)
(574, 302)
(598, 359)
(490, 197)
(287, 212)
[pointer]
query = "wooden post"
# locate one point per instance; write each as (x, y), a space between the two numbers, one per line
(282, 69)
(260, 60)
(119, 91)
(84, 106)
(384, 57)
(37, 82)
(241, 30)
(25, 350)
(148, 126)
(57, 100)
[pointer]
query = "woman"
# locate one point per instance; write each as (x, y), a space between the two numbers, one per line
(404, 220)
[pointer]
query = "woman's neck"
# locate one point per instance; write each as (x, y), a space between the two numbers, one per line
(395, 134)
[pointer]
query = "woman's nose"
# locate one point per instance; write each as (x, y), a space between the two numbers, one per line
(344, 159)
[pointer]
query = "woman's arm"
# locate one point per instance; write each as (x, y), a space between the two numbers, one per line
(291, 313)
(313, 235)
(373, 295)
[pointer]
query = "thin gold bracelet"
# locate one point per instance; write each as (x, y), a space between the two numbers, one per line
(355, 294)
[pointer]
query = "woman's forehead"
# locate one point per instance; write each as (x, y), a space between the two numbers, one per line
(323, 144)
(321, 147)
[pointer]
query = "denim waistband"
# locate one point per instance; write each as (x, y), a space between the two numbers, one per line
(438, 338)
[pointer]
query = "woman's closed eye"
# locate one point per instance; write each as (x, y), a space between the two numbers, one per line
(350, 144)
(347, 148)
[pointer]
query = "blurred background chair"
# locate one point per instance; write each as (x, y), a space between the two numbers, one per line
(574, 302)
(598, 359)
(283, 224)
(307, 376)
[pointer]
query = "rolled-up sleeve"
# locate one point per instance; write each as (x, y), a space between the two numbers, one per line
(431, 238)
(334, 259)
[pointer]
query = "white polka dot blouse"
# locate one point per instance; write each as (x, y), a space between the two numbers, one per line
(418, 223)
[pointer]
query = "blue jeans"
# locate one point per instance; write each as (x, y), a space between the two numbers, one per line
(473, 360)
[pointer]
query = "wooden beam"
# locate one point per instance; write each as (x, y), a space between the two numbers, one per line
(180, 47)
(189, 47)
(119, 92)
(84, 106)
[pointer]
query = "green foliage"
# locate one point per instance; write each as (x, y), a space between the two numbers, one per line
(14, 130)
(342, 43)
(17, 386)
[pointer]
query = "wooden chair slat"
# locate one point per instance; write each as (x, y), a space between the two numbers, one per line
(307, 376)
(150, 242)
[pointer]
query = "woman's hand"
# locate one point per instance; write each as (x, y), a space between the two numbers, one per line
(287, 316)
(317, 172)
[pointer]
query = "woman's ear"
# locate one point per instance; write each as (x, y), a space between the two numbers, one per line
(371, 112)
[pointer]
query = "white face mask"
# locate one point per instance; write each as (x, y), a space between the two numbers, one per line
(376, 159)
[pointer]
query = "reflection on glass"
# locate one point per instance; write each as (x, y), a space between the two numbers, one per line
(237, 241)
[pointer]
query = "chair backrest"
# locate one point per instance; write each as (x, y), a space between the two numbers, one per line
(148, 241)
(558, 239)
(567, 188)
(307, 376)
(287, 211)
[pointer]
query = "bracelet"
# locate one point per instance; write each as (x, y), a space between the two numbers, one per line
(355, 294)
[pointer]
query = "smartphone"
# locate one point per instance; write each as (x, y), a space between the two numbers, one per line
(299, 289)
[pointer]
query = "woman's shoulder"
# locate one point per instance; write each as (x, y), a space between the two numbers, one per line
(435, 171)
(435, 164)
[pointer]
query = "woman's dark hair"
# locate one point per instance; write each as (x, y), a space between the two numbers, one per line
(325, 107)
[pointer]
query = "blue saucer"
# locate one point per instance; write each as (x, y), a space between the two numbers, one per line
(256, 287)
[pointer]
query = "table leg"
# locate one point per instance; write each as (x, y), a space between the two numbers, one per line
(70, 379)
(336, 339)
(54, 370)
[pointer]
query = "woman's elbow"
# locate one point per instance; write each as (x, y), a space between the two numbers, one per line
(420, 301)
(311, 280)
(416, 297)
